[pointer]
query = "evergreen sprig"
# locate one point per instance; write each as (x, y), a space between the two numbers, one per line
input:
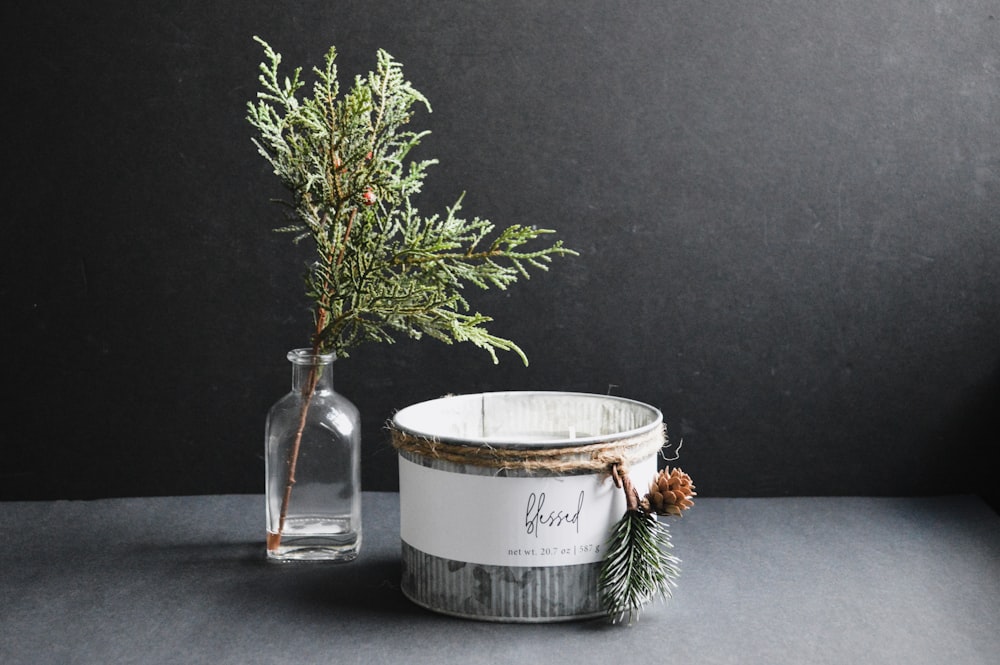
(638, 566)
(382, 268)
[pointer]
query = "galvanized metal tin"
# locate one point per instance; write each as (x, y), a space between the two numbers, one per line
(461, 515)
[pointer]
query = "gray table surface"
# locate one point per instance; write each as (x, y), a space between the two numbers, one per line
(785, 580)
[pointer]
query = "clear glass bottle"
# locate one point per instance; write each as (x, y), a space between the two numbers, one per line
(313, 467)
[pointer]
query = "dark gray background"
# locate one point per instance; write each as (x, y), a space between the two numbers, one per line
(787, 214)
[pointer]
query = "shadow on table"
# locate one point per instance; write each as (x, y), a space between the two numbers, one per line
(370, 584)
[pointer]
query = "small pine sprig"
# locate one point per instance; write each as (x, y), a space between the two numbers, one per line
(381, 269)
(639, 566)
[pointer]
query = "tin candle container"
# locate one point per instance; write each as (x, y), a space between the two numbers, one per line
(506, 499)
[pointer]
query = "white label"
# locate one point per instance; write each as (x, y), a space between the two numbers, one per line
(546, 521)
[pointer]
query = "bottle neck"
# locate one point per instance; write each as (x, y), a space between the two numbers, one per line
(310, 370)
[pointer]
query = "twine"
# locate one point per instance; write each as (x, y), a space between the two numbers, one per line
(594, 457)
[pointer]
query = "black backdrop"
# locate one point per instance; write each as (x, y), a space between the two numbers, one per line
(787, 213)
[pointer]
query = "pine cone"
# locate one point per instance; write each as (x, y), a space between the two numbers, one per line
(670, 493)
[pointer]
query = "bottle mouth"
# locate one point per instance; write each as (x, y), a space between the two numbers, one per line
(308, 357)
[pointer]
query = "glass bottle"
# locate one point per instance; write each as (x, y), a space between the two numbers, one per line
(313, 467)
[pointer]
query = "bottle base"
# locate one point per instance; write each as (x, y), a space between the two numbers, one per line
(335, 548)
(312, 549)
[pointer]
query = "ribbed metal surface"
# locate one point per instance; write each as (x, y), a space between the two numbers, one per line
(500, 593)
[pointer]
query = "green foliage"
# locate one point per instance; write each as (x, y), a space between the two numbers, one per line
(382, 268)
(638, 566)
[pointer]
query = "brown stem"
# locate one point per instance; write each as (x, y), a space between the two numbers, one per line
(623, 481)
(274, 540)
(347, 235)
(631, 495)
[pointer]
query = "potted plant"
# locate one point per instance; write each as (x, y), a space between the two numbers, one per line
(380, 269)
